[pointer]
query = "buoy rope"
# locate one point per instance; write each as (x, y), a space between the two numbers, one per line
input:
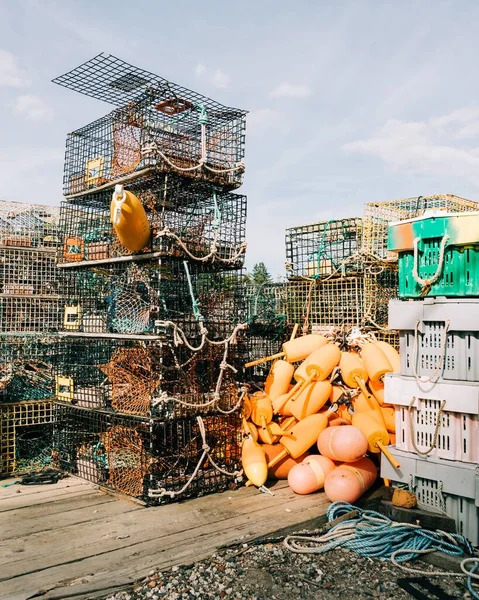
(374, 535)
(206, 452)
(412, 433)
(427, 283)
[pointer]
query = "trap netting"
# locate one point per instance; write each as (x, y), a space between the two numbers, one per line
(27, 368)
(324, 249)
(26, 437)
(157, 378)
(155, 460)
(187, 220)
(146, 298)
(158, 126)
(25, 225)
(30, 314)
(378, 215)
(26, 272)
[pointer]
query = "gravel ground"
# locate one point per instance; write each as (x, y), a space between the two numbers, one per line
(272, 572)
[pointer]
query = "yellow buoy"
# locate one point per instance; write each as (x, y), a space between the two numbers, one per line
(254, 462)
(295, 350)
(279, 378)
(129, 219)
(375, 361)
(392, 355)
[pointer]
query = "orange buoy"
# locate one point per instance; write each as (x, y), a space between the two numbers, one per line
(261, 409)
(272, 432)
(377, 389)
(392, 355)
(246, 408)
(249, 428)
(368, 404)
(254, 462)
(336, 393)
(345, 444)
(280, 470)
(389, 416)
(338, 421)
(129, 220)
(376, 434)
(375, 361)
(392, 439)
(312, 398)
(295, 350)
(279, 378)
(309, 476)
(348, 482)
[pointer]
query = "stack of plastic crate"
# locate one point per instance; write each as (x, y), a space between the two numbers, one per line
(332, 283)
(148, 399)
(31, 298)
(436, 394)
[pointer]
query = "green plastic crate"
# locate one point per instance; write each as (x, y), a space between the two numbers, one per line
(438, 255)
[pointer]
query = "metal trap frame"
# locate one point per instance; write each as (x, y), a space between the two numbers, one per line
(26, 437)
(151, 459)
(187, 221)
(378, 215)
(157, 126)
(24, 225)
(324, 249)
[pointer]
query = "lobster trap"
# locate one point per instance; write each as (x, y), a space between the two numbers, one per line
(26, 272)
(30, 314)
(155, 460)
(28, 225)
(317, 305)
(378, 215)
(154, 378)
(187, 221)
(324, 249)
(26, 437)
(144, 298)
(158, 126)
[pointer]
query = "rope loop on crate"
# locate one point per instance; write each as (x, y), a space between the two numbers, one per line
(437, 427)
(439, 365)
(427, 283)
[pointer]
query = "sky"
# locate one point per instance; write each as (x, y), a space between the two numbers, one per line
(349, 101)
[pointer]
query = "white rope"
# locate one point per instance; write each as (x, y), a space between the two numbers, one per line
(412, 433)
(439, 364)
(153, 493)
(427, 283)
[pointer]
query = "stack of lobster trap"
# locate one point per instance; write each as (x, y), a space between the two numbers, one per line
(146, 385)
(31, 298)
(436, 393)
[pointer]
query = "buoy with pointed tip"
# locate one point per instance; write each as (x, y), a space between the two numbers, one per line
(254, 462)
(308, 402)
(129, 220)
(345, 444)
(392, 355)
(279, 378)
(309, 475)
(348, 482)
(376, 434)
(280, 470)
(249, 428)
(294, 350)
(375, 361)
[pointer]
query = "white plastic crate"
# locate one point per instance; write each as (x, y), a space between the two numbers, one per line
(438, 337)
(458, 434)
(440, 485)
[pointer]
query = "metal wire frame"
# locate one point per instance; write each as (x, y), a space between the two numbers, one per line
(29, 272)
(28, 225)
(351, 300)
(30, 314)
(154, 115)
(377, 216)
(134, 455)
(181, 215)
(156, 379)
(139, 298)
(27, 368)
(26, 436)
(321, 249)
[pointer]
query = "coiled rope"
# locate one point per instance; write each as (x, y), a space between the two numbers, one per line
(374, 535)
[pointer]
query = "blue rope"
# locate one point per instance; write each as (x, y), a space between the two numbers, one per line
(196, 309)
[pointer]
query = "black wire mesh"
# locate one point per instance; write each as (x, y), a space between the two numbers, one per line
(159, 125)
(25, 225)
(181, 215)
(139, 457)
(323, 249)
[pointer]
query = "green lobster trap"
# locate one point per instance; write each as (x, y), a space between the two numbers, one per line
(438, 255)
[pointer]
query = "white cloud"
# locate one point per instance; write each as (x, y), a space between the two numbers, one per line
(261, 118)
(33, 108)
(291, 90)
(200, 70)
(433, 147)
(220, 79)
(11, 75)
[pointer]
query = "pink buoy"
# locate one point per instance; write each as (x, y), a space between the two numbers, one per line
(348, 482)
(344, 443)
(309, 476)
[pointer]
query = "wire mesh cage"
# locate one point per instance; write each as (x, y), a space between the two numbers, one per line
(157, 461)
(29, 272)
(157, 126)
(151, 378)
(26, 437)
(325, 248)
(30, 314)
(146, 298)
(187, 220)
(352, 300)
(28, 225)
(377, 216)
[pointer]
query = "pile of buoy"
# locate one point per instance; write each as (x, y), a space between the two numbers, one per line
(320, 414)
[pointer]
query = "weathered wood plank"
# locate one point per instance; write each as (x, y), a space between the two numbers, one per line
(12, 491)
